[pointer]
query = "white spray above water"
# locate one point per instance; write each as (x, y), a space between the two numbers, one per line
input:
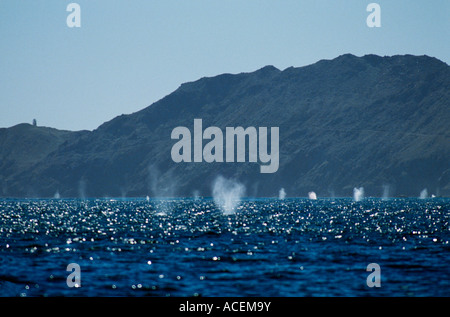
(423, 194)
(312, 195)
(82, 188)
(163, 188)
(161, 185)
(358, 194)
(196, 195)
(227, 194)
(282, 194)
(386, 190)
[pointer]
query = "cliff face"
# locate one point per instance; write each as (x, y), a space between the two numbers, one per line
(348, 122)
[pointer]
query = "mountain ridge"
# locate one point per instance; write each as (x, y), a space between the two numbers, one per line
(350, 121)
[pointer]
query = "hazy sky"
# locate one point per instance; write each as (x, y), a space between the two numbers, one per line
(128, 54)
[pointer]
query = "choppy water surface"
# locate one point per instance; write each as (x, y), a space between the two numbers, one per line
(292, 247)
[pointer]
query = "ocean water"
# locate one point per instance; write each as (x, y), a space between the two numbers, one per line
(189, 247)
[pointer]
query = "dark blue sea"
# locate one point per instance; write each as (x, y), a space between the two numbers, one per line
(189, 247)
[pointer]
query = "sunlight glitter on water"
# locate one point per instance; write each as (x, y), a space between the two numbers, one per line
(265, 241)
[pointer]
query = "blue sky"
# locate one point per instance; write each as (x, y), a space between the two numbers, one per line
(128, 54)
